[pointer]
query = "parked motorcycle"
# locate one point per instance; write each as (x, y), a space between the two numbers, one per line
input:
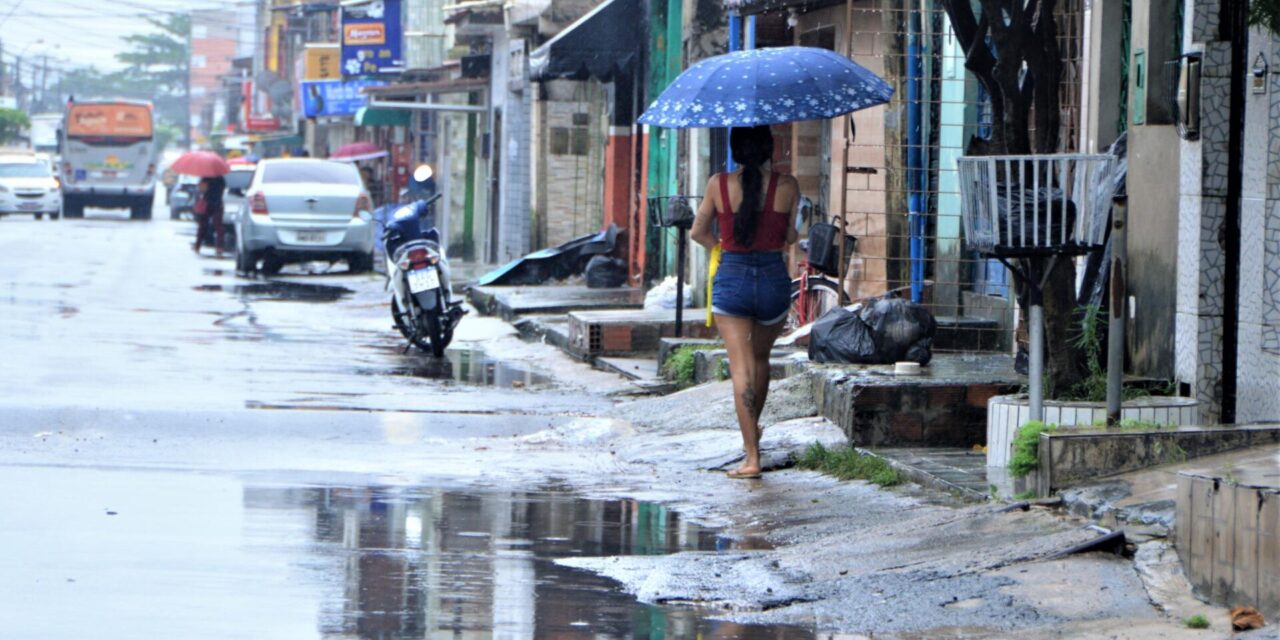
(422, 303)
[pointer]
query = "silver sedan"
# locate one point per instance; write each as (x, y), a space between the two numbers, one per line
(298, 210)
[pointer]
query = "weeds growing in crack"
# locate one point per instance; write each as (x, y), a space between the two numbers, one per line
(847, 464)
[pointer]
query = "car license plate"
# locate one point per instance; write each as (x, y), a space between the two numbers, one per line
(29, 205)
(423, 280)
(311, 237)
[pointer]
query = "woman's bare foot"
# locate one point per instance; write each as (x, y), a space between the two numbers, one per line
(745, 473)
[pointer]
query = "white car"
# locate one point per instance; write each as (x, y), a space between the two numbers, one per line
(28, 186)
(302, 209)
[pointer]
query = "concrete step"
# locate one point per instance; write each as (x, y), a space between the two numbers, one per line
(509, 303)
(623, 332)
(960, 472)
(639, 368)
(946, 406)
(552, 330)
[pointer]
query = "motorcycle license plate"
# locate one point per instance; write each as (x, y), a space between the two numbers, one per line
(423, 280)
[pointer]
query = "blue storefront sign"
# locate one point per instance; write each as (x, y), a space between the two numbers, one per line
(334, 97)
(372, 38)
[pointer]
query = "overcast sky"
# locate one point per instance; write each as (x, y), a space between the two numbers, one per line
(82, 32)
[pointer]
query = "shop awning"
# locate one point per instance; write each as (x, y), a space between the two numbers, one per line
(373, 117)
(602, 44)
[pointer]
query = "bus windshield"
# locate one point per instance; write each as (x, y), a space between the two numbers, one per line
(109, 120)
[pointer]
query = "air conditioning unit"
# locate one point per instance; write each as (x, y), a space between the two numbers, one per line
(475, 66)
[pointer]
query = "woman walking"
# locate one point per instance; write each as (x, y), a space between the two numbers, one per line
(751, 293)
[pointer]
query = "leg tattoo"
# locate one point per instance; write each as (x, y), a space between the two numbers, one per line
(749, 401)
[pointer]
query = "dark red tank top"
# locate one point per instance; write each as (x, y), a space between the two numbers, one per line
(771, 227)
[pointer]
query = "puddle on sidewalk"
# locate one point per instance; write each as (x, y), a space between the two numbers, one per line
(466, 366)
(281, 291)
(193, 555)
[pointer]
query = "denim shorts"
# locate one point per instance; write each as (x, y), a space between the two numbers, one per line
(752, 285)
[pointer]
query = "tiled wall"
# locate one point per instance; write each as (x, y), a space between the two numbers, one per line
(1227, 538)
(515, 233)
(1258, 387)
(1201, 211)
(1201, 261)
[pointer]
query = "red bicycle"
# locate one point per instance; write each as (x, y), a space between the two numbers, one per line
(816, 290)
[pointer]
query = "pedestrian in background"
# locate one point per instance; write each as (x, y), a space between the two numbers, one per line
(208, 212)
(751, 292)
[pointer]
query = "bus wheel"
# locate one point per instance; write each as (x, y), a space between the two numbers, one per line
(140, 211)
(72, 208)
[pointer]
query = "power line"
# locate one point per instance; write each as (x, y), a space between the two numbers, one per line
(81, 33)
(10, 14)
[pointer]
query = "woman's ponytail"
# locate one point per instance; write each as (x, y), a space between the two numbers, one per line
(750, 147)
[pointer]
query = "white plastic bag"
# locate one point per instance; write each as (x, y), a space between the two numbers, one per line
(663, 295)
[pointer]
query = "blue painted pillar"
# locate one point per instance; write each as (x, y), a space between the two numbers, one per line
(916, 175)
(735, 40)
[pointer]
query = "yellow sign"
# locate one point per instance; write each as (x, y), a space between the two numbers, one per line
(323, 62)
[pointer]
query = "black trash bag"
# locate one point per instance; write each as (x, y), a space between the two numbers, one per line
(840, 336)
(903, 330)
(1043, 213)
(604, 272)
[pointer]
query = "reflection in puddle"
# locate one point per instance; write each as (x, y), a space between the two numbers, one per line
(429, 562)
(162, 554)
(281, 290)
(468, 366)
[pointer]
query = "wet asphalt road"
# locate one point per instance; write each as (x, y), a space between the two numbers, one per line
(190, 454)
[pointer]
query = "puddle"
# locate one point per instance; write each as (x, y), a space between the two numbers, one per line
(154, 554)
(466, 366)
(432, 562)
(281, 291)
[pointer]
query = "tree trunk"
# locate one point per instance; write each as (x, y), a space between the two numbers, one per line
(1021, 69)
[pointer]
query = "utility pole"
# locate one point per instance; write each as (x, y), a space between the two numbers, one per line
(17, 83)
(186, 91)
(44, 82)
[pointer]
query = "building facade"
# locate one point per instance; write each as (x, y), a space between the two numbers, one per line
(214, 40)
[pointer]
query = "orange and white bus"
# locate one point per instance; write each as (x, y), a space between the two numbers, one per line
(108, 157)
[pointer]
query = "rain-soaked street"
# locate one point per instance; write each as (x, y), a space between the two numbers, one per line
(191, 454)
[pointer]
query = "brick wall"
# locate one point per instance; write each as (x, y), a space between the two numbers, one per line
(873, 413)
(571, 180)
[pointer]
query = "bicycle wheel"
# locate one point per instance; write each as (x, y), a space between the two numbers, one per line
(821, 297)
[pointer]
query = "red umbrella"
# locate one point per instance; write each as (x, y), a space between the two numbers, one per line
(357, 151)
(202, 164)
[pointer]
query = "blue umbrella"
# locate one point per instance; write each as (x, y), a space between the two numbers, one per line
(766, 86)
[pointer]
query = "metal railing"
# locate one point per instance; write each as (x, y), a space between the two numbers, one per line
(1028, 205)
